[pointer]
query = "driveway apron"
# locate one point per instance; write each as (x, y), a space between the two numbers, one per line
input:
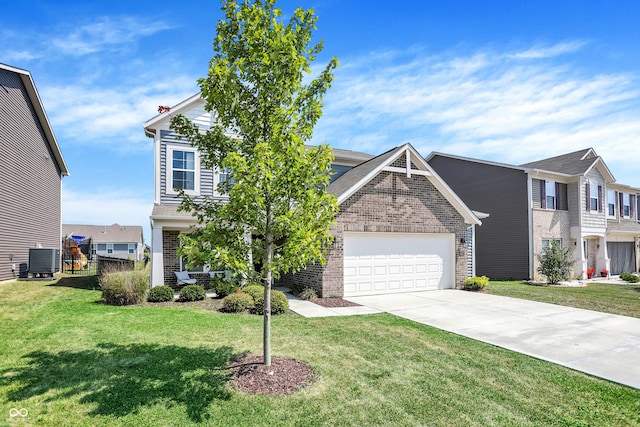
(599, 344)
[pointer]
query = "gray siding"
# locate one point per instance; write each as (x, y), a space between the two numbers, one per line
(206, 175)
(30, 190)
(575, 203)
(589, 218)
(502, 241)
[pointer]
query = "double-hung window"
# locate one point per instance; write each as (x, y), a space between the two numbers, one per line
(611, 203)
(183, 170)
(132, 248)
(550, 191)
(109, 248)
(626, 205)
(548, 242)
(593, 197)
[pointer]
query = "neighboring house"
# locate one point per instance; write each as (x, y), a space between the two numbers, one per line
(115, 241)
(399, 228)
(31, 171)
(571, 199)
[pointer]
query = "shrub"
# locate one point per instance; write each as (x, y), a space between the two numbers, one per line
(555, 262)
(124, 287)
(192, 293)
(160, 294)
(476, 282)
(256, 290)
(224, 287)
(237, 302)
(279, 303)
(307, 294)
(629, 277)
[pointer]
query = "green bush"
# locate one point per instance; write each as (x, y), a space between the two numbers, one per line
(279, 303)
(224, 287)
(555, 262)
(160, 294)
(237, 302)
(476, 282)
(307, 294)
(124, 287)
(192, 293)
(256, 290)
(629, 277)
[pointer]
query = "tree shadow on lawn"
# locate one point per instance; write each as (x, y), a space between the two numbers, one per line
(121, 379)
(89, 283)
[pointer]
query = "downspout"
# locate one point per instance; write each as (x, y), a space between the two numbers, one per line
(530, 223)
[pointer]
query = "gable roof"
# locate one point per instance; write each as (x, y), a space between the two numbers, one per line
(578, 163)
(114, 233)
(151, 125)
(32, 92)
(354, 179)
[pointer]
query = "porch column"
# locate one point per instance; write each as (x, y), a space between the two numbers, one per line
(157, 262)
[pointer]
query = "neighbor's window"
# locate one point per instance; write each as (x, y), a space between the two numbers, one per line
(611, 203)
(109, 248)
(548, 242)
(593, 197)
(626, 205)
(550, 190)
(132, 248)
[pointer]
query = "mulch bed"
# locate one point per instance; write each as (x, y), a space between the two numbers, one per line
(283, 377)
(333, 302)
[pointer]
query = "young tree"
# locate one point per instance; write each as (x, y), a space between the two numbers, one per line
(278, 212)
(555, 262)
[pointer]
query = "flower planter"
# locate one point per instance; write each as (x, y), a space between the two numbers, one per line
(604, 273)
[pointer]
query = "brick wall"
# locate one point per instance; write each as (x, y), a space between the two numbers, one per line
(170, 244)
(390, 202)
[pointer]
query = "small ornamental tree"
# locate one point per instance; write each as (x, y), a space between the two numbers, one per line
(278, 213)
(555, 262)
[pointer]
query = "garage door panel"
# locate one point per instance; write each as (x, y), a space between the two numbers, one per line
(376, 263)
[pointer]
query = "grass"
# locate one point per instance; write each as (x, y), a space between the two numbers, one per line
(618, 299)
(70, 360)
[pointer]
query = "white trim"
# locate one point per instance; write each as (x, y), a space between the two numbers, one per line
(169, 165)
(408, 171)
(157, 168)
(530, 225)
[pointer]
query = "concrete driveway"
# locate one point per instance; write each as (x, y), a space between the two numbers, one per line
(600, 344)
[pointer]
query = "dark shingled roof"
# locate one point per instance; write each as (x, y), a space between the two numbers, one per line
(357, 173)
(576, 163)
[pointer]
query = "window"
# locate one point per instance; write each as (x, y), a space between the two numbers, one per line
(593, 197)
(550, 190)
(183, 170)
(611, 203)
(132, 248)
(626, 205)
(547, 242)
(109, 248)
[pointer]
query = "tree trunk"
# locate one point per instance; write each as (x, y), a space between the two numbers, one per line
(266, 340)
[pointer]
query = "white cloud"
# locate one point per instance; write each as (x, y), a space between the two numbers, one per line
(106, 208)
(486, 105)
(84, 114)
(106, 33)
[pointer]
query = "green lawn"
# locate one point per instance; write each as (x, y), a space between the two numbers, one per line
(70, 360)
(606, 297)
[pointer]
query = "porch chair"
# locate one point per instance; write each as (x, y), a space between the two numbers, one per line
(184, 279)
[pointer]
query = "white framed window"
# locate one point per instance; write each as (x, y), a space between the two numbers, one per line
(546, 242)
(593, 197)
(109, 248)
(551, 197)
(611, 203)
(183, 170)
(132, 248)
(626, 205)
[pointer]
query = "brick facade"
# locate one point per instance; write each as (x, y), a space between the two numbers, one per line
(390, 202)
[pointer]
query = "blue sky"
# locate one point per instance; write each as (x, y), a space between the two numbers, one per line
(506, 81)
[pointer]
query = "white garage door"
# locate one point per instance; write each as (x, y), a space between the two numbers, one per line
(380, 263)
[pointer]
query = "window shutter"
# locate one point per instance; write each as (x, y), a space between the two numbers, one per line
(587, 190)
(558, 196)
(638, 207)
(632, 203)
(600, 207)
(621, 205)
(543, 194)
